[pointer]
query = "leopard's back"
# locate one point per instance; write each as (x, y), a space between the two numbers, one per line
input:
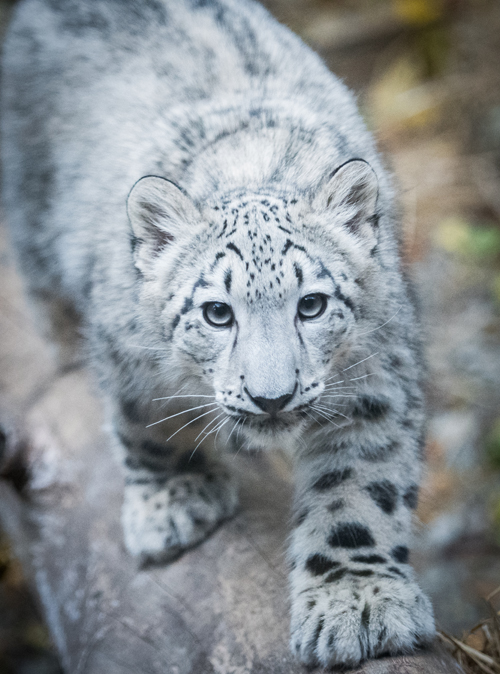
(113, 91)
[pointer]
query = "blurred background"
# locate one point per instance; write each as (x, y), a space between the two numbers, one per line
(427, 77)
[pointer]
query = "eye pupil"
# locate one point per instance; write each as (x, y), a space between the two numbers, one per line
(311, 306)
(218, 314)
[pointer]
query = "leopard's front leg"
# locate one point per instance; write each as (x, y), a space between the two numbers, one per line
(176, 492)
(354, 594)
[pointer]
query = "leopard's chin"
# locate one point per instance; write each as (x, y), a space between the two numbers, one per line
(267, 432)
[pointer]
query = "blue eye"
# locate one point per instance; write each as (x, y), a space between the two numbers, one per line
(311, 306)
(218, 314)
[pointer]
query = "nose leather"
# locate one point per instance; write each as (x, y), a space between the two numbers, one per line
(271, 405)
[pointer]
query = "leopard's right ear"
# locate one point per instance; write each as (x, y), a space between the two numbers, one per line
(159, 211)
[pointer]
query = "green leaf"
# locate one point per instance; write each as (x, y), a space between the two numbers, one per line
(493, 445)
(457, 235)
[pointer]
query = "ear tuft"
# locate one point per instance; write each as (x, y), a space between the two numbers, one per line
(159, 211)
(351, 191)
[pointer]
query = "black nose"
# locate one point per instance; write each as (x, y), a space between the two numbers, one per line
(271, 405)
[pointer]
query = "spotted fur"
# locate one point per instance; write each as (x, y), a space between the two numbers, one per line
(190, 178)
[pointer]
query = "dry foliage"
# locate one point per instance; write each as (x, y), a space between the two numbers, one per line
(478, 652)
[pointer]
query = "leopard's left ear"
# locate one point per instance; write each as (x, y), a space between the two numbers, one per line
(160, 212)
(351, 192)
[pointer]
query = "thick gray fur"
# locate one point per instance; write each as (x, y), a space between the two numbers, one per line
(264, 187)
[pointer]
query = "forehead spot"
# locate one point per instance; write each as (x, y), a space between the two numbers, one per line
(298, 273)
(235, 249)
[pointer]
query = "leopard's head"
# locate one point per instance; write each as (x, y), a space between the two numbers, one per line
(259, 295)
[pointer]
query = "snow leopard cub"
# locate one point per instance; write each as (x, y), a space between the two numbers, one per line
(190, 178)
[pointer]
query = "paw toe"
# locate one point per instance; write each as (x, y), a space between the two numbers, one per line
(344, 625)
(160, 522)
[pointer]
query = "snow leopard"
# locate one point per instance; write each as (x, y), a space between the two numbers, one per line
(191, 180)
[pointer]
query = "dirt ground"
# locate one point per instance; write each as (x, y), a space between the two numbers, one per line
(427, 77)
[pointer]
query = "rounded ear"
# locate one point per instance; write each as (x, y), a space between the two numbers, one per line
(159, 211)
(351, 192)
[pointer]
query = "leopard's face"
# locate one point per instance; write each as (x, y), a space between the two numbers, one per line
(259, 304)
(265, 317)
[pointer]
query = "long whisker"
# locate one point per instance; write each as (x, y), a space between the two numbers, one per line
(325, 417)
(370, 374)
(360, 361)
(190, 422)
(217, 427)
(337, 383)
(232, 430)
(325, 410)
(194, 450)
(341, 381)
(339, 388)
(328, 409)
(311, 417)
(220, 427)
(206, 435)
(319, 421)
(194, 395)
(381, 326)
(239, 429)
(179, 413)
(342, 415)
(182, 387)
(148, 348)
(237, 436)
(209, 424)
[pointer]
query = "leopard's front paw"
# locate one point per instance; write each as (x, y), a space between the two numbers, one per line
(345, 621)
(162, 520)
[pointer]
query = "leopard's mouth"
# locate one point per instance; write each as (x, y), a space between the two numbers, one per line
(267, 426)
